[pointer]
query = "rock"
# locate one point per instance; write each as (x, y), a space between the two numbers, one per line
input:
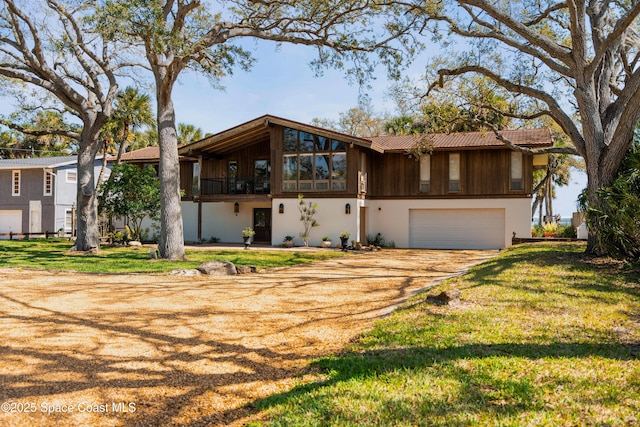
(185, 272)
(246, 269)
(134, 243)
(217, 268)
(445, 297)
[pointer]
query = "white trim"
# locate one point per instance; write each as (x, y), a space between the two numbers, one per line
(49, 175)
(16, 178)
(71, 176)
(68, 217)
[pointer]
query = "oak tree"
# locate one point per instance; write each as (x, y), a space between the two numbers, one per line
(574, 61)
(182, 35)
(49, 46)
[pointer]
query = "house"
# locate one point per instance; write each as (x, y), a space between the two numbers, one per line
(472, 191)
(37, 195)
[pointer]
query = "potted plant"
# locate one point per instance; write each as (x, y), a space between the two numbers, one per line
(326, 242)
(288, 242)
(551, 229)
(344, 239)
(247, 234)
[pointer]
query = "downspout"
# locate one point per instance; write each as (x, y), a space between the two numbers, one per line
(55, 197)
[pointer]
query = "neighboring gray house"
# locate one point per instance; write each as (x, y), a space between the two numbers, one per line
(37, 195)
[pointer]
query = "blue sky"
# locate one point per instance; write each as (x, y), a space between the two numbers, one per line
(282, 83)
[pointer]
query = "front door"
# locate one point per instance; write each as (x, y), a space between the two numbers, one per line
(262, 224)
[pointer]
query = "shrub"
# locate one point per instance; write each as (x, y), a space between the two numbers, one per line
(537, 231)
(567, 231)
(616, 217)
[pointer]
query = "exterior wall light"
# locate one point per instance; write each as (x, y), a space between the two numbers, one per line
(236, 208)
(281, 208)
(347, 209)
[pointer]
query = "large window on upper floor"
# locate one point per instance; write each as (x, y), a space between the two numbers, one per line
(516, 170)
(313, 162)
(454, 172)
(425, 173)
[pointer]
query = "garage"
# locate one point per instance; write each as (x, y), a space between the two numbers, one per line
(457, 228)
(10, 221)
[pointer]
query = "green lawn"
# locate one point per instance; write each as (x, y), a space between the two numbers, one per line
(53, 254)
(543, 337)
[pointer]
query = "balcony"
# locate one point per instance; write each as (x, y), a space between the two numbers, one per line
(223, 186)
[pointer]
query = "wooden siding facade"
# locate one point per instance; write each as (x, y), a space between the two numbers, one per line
(484, 173)
(216, 167)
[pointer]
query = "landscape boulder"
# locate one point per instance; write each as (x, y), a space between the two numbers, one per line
(450, 296)
(246, 269)
(185, 272)
(217, 268)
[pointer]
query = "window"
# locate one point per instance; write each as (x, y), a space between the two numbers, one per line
(516, 170)
(72, 176)
(313, 162)
(15, 189)
(454, 172)
(48, 183)
(425, 173)
(232, 178)
(261, 176)
(196, 178)
(68, 219)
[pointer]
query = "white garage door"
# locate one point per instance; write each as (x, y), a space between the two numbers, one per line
(10, 221)
(456, 228)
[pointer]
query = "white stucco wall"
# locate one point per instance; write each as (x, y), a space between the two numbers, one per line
(387, 217)
(218, 220)
(391, 217)
(330, 216)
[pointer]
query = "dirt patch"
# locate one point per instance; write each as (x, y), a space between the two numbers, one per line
(129, 350)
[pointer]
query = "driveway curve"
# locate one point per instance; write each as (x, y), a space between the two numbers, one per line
(129, 350)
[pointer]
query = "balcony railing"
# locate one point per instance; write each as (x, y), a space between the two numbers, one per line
(215, 186)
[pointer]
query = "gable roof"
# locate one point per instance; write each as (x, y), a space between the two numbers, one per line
(151, 153)
(41, 162)
(258, 130)
(468, 140)
(38, 162)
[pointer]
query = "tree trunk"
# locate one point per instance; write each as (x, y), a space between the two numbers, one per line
(171, 243)
(88, 236)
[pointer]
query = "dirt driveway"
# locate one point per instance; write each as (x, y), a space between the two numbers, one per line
(155, 350)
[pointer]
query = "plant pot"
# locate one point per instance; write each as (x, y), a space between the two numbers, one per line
(247, 241)
(344, 241)
(550, 234)
(288, 243)
(325, 244)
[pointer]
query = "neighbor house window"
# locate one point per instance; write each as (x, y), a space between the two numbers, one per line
(15, 189)
(313, 162)
(72, 176)
(454, 172)
(48, 183)
(68, 219)
(516, 170)
(425, 173)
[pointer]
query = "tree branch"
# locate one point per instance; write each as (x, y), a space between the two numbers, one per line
(40, 132)
(555, 111)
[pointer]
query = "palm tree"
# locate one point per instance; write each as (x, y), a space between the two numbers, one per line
(188, 133)
(132, 110)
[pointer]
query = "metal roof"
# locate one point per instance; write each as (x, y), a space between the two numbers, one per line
(462, 140)
(38, 162)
